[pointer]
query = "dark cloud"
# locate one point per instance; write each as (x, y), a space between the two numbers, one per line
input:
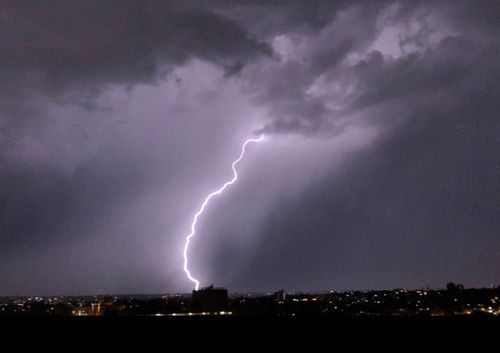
(61, 45)
(435, 57)
(380, 171)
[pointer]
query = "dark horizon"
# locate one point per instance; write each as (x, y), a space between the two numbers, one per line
(256, 292)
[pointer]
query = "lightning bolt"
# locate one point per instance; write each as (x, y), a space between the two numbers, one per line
(205, 203)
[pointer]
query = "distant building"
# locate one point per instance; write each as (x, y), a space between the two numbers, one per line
(279, 296)
(210, 299)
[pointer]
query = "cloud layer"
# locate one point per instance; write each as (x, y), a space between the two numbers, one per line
(379, 170)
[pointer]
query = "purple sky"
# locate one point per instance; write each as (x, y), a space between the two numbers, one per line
(380, 167)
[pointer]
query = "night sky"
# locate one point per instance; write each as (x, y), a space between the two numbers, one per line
(380, 166)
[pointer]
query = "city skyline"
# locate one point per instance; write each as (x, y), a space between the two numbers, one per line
(212, 302)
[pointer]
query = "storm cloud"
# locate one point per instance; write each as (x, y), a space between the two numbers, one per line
(380, 166)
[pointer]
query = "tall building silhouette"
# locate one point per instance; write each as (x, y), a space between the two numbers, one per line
(210, 299)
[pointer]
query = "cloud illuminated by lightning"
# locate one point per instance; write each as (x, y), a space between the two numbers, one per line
(205, 203)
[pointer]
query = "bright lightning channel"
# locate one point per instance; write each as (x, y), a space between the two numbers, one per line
(205, 203)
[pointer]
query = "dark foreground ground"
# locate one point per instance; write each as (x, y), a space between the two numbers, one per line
(308, 334)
